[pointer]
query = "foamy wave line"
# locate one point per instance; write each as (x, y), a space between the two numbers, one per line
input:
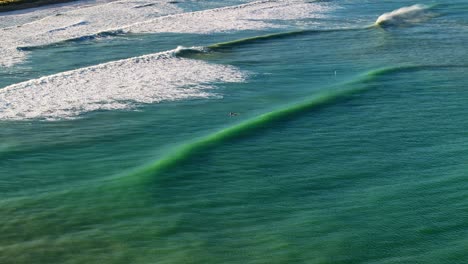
(114, 85)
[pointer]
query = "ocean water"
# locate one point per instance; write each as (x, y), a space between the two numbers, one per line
(273, 131)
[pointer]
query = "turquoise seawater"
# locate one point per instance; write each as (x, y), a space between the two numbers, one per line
(348, 145)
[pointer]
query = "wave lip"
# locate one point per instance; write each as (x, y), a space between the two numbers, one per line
(121, 84)
(405, 16)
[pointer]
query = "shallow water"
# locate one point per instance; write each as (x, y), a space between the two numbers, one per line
(347, 146)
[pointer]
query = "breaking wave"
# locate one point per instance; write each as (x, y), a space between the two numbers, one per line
(405, 16)
(132, 16)
(119, 84)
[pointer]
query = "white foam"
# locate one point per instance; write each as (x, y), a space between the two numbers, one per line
(114, 85)
(77, 23)
(23, 16)
(404, 15)
(145, 16)
(252, 16)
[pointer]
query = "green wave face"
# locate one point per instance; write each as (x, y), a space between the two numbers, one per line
(335, 94)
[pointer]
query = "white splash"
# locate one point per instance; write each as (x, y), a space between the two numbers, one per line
(405, 15)
(119, 84)
(146, 16)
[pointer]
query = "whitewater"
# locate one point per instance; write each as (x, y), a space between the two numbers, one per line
(123, 17)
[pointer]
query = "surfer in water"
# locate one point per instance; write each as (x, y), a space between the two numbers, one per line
(231, 114)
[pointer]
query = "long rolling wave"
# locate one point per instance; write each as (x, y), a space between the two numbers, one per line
(333, 95)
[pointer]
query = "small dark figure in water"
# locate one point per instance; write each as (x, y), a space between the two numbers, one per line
(233, 114)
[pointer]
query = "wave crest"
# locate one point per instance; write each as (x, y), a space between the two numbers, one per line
(404, 16)
(334, 94)
(119, 84)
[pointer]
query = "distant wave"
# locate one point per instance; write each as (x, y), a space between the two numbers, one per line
(405, 16)
(114, 85)
(123, 17)
(128, 16)
(335, 94)
(275, 36)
